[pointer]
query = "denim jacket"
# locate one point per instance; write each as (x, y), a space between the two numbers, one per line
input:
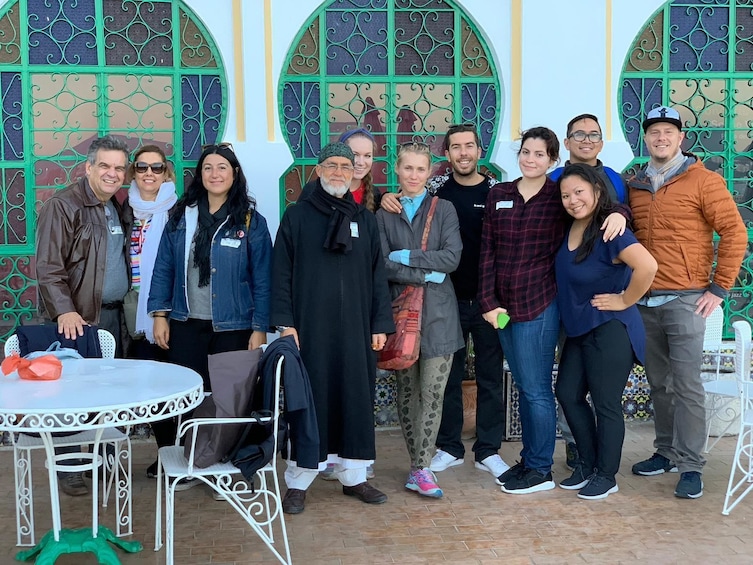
(241, 259)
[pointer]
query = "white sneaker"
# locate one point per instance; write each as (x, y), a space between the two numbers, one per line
(442, 460)
(493, 464)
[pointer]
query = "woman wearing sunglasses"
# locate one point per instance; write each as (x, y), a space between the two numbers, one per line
(211, 284)
(151, 196)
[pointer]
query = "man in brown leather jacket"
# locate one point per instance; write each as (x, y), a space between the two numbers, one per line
(82, 269)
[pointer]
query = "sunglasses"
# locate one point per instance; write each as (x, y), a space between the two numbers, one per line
(221, 145)
(157, 168)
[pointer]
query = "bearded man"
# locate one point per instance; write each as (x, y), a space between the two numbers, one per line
(329, 291)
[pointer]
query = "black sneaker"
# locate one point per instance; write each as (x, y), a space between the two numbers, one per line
(598, 487)
(571, 455)
(655, 465)
(527, 482)
(690, 485)
(578, 479)
(513, 471)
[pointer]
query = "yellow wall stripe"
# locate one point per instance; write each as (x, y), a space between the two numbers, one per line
(608, 70)
(269, 82)
(240, 96)
(516, 65)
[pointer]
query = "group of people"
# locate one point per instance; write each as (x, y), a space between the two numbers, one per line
(514, 265)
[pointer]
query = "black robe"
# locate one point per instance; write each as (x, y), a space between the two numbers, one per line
(336, 302)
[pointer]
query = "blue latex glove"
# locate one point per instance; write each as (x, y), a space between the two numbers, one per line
(434, 277)
(400, 256)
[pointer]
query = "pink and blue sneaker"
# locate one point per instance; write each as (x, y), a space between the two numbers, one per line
(424, 482)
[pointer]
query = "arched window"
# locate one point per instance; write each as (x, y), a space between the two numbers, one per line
(405, 69)
(697, 56)
(73, 70)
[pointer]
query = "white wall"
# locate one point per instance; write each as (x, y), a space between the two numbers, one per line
(563, 72)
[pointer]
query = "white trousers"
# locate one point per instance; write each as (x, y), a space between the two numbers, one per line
(350, 472)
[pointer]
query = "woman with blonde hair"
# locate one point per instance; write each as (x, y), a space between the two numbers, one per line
(420, 388)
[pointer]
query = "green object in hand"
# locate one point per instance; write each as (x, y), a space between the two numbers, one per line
(502, 319)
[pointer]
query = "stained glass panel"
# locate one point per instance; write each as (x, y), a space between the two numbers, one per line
(62, 32)
(138, 33)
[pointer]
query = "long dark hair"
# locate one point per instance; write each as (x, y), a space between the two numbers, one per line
(239, 203)
(604, 206)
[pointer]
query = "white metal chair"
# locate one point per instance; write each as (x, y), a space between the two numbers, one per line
(117, 467)
(742, 463)
(260, 506)
(721, 394)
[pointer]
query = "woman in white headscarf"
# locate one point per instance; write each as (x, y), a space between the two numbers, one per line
(151, 196)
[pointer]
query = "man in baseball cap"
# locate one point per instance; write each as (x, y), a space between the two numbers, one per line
(662, 114)
(677, 206)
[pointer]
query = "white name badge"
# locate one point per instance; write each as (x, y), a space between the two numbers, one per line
(230, 242)
(353, 229)
(116, 230)
(504, 204)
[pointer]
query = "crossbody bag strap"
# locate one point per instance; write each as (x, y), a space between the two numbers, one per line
(429, 218)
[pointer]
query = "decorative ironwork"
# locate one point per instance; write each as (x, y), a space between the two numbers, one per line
(356, 42)
(305, 60)
(10, 48)
(17, 290)
(404, 69)
(475, 61)
(196, 50)
(697, 56)
(12, 148)
(62, 33)
(71, 70)
(138, 33)
(647, 53)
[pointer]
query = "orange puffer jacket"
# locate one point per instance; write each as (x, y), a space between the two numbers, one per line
(677, 223)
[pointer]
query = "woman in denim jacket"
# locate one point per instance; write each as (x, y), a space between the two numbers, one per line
(211, 282)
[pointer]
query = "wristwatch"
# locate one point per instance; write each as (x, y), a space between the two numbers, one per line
(283, 328)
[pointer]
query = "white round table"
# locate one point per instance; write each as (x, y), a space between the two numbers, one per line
(94, 394)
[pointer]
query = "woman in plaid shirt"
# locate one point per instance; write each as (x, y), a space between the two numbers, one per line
(524, 225)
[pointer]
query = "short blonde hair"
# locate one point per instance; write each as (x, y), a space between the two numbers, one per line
(417, 147)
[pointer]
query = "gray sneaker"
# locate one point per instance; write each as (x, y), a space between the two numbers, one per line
(73, 484)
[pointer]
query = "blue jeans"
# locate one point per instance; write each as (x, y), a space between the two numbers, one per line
(529, 349)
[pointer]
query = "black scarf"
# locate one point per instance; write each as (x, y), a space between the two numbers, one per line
(341, 212)
(208, 226)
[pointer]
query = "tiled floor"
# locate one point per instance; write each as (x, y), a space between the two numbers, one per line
(473, 523)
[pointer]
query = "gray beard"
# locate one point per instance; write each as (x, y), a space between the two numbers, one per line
(333, 191)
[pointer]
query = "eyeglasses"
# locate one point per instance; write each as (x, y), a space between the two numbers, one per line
(332, 167)
(141, 167)
(593, 137)
(221, 145)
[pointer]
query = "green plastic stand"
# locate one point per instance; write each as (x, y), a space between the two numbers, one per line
(79, 541)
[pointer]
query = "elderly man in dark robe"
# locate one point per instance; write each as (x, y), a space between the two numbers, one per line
(330, 292)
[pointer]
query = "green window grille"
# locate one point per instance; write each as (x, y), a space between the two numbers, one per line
(404, 69)
(72, 70)
(697, 56)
